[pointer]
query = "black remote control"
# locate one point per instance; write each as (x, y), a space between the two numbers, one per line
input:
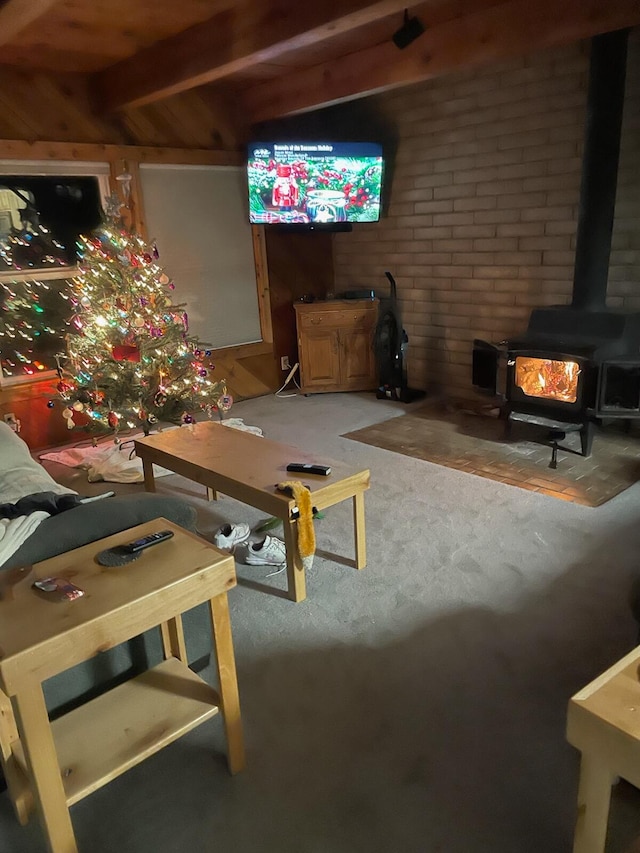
(308, 468)
(147, 541)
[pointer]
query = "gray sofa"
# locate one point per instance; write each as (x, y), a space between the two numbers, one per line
(21, 475)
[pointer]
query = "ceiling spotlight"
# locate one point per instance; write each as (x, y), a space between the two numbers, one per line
(408, 32)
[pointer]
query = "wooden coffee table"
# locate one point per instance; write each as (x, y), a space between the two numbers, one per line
(247, 467)
(53, 765)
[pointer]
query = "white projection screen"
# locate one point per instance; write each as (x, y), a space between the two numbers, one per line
(198, 218)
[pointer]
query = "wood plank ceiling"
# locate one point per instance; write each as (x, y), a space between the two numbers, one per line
(271, 58)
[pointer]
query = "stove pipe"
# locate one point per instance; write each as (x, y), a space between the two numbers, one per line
(605, 100)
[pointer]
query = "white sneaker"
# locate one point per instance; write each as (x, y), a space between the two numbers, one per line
(269, 552)
(229, 535)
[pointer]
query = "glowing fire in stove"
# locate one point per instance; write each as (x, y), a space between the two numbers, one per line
(544, 377)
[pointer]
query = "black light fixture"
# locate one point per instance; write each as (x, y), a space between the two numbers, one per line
(408, 32)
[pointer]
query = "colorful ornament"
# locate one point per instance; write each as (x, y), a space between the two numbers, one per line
(160, 399)
(225, 402)
(187, 418)
(50, 404)
(126, 352)
(113, 420)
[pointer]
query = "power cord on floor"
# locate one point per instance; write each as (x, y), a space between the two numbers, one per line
(292, 374)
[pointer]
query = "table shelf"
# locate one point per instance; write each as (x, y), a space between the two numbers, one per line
(109, 735)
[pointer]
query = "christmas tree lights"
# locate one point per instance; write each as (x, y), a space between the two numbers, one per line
(130, 359)
(33, 315)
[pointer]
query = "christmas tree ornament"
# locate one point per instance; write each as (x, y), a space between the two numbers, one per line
(126, 352)
(50, 404)
(113, 420)
(225, 402)
(78, 406)
(187, 418)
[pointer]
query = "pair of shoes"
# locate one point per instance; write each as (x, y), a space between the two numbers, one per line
(270, 552)
(229, 535)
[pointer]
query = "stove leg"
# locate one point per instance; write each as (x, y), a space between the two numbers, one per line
(505, 417)
(586, 437)
(554, 456)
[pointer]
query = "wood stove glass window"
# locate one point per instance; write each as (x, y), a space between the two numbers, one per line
(548, 378)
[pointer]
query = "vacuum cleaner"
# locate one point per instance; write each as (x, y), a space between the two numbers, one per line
(390, 346)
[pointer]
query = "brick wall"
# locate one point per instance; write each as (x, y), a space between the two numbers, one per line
(482, 215)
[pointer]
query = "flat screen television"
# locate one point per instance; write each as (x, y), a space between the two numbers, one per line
(314, 183)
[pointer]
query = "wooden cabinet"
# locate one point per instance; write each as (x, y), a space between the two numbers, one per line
(335, 345)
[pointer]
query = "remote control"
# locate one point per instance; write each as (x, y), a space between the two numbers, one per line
(308, 468)
(147, 541)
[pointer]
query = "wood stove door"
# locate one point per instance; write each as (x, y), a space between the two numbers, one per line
(545, 381)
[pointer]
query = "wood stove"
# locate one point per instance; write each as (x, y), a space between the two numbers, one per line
(580, 363)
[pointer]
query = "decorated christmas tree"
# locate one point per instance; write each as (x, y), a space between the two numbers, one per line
(130, 360)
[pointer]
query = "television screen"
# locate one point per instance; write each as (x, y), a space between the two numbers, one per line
(314, 182)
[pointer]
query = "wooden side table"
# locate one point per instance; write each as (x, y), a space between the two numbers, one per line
(54, 765)
(603, 722)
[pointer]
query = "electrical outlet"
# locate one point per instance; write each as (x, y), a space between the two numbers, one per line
(284, 363)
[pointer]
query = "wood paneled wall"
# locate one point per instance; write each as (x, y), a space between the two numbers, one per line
(37, 106)
(299, 264)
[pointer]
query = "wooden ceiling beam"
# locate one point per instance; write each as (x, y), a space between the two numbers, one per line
(509, 28)
(232, 41)
(16, 15)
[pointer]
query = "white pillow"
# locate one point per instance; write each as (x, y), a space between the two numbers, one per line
(20, 474)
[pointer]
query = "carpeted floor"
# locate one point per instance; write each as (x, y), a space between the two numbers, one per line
(417, 706)
(473, 440)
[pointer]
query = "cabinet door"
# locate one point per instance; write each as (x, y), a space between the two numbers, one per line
(358, 371)
(319, 359)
